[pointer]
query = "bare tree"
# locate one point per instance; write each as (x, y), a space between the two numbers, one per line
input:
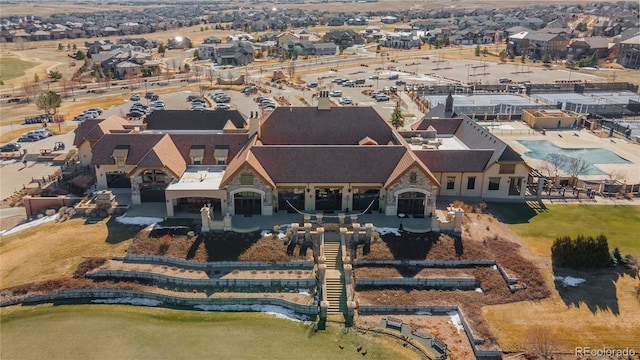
(291, 70)
(542, 342)
(552, 165)
(576, 167)
(211, 75)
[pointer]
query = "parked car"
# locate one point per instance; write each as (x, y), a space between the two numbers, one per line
(91, 113)
(10, 147)
(504, 80)
(312, 85)
(400, 82)
(382, 97)
(81, 117)
(223, 107)
(360, 81)
(335, 93)
(345, 100)
(29, 137)
(394, 77)
(373, 77)
(134, 97)
(43, 133)
(222, 98)
(98, 110)
(149, 95)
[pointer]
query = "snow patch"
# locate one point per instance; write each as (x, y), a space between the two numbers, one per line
(495, 267)
(8, 162)
(128, 300)
(281, 235)
(478, 290)
(30, 224)
(304, 291)
(569, 280)
(277, 311)
(386, 230)
(424, 313)
(138, 220)
(454, 318)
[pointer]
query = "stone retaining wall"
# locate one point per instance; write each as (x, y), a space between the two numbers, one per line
(199, 283)
(435, 310)
(204, 266)
(166, 300)
(467, 283)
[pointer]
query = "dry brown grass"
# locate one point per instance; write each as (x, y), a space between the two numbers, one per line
(54, 250)
(170, 245)
(270, 248)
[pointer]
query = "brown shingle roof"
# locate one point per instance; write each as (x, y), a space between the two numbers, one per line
(94, 129)
(455, 160)
(193, 120)
(442, 126)
(408, 161)
(310, 126)
(331, 164)
(184, 142)
(145, 150)
(245, 158)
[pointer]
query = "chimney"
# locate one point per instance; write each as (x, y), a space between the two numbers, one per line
(323, 100)
(448, 107)
(254, 124)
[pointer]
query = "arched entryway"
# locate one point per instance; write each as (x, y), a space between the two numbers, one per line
(247, 203)
(412, 203)
(154, 183)
(118, 180)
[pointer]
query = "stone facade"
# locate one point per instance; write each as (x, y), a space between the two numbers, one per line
(413, 180)
(259, 185)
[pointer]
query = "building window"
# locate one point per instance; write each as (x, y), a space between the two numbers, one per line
(120, 161)
(451, 182)
(413, 178)
(494, 183)
(471, 183)
(507, 168)
(246, 179)
(196, 160)
(221, 160)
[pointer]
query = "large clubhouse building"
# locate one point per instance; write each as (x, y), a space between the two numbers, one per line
(298, 159)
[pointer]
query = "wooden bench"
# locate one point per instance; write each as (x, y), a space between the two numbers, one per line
(394, 322)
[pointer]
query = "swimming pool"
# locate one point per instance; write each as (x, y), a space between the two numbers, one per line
(539, 149)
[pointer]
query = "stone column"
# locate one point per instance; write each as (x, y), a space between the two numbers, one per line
(319, 218)
(351, 310)
(307, 219)
(227, 226)
(135, 190)
(356, 233)
(204, 217)
(457, 224)
(341, 217)
(354, 218)
(294, 233)
(324, 309)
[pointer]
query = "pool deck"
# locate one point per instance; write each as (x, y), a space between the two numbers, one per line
(578, 139)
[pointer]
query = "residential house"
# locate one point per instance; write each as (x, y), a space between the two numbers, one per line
(543, 43)
(588, 46)
(237, 53)
(343, 38)
(629, 53)
(179, 42)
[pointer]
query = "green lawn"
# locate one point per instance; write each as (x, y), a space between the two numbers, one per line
(539, 225)
(12, 67)
(128, 332)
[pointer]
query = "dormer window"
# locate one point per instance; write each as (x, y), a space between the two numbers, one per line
(220, 153)
(196, 154)
(120, 153)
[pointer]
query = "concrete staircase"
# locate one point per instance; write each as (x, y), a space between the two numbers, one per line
(335, 280)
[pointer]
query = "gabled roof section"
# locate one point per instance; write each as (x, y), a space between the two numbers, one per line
(367, 141)
(455, 160)
(477, 138)
(337, 126)
(331, 164)
(193, 120)
(408, 161)
(443, 126)
(94, 129)
(245, 158)
(164, 154)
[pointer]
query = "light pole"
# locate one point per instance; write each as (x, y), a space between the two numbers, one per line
(468, 67)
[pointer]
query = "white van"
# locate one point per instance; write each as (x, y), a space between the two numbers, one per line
(43, 133)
